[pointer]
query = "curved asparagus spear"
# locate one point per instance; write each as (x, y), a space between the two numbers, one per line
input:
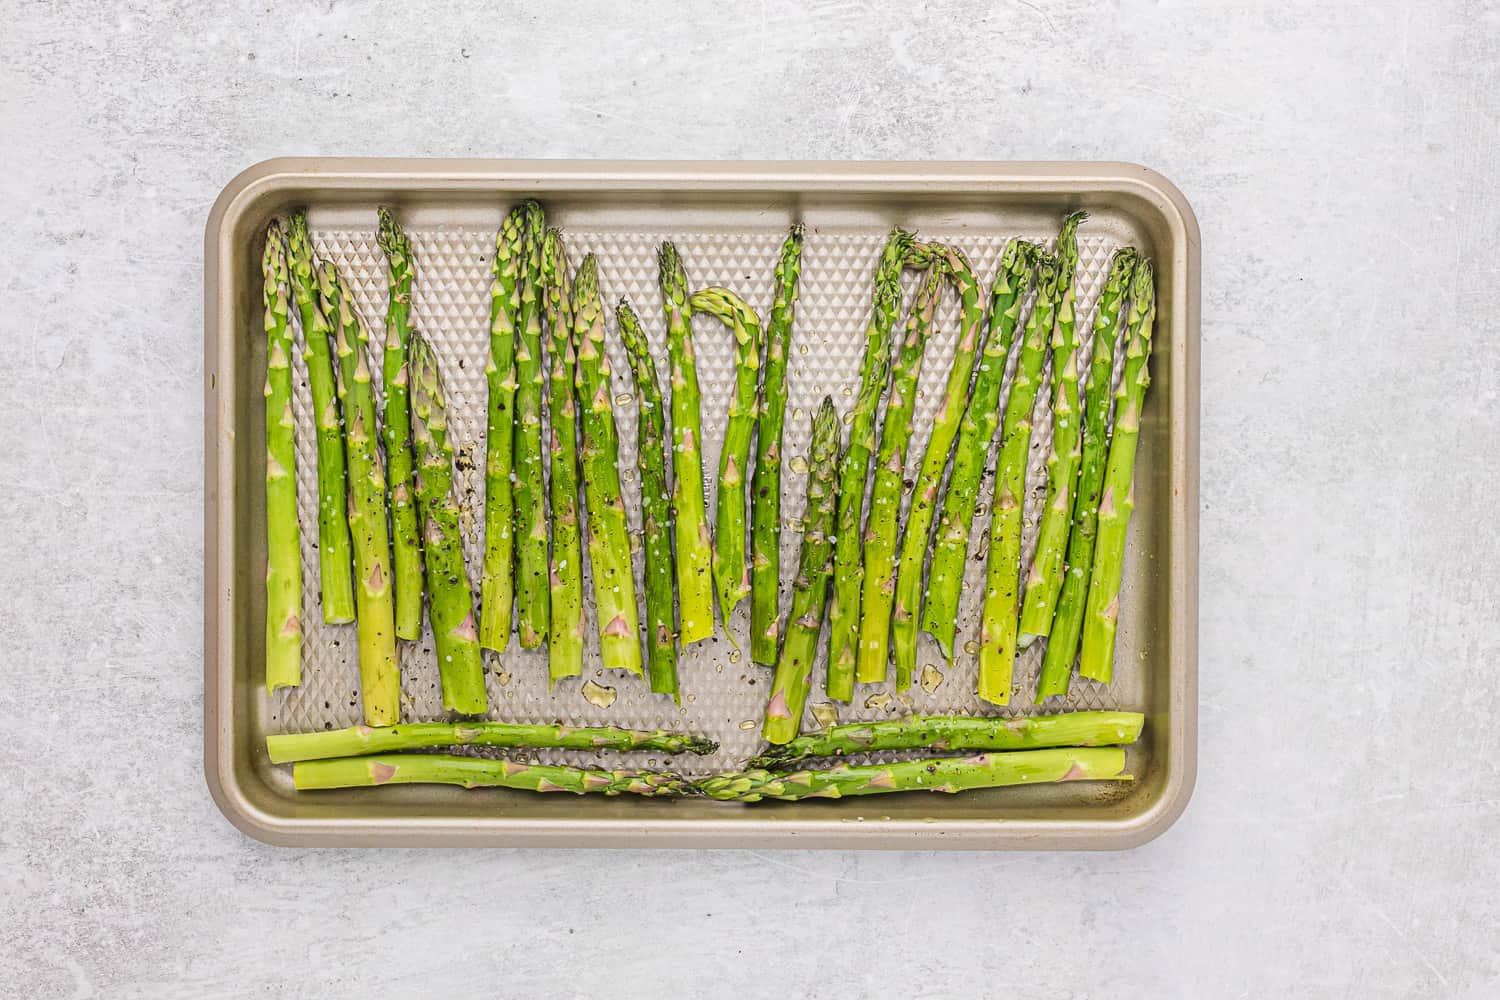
(335, 578)
(810, 590)
(1045, 578)
(608, 533)
(357, 741)
(479, 772)
(695, 594)
(283, 536)
(497, 580)
(938, 732)
(765, 485)
(975, 435)
(565, 620)
(454, 635)
(527, 492)
(854, 467)
(879, 584)
(997, 627)
(375, 620)
(943, 774)
(916, 541)
(396, 431)
(731, 575)
(1062, 644)
(656, 506)
(1102, 612)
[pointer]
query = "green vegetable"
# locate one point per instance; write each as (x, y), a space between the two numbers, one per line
(479, 772)
(565, 622)
(283, 536)
(360, 740)
(497, 580)
(527, 492)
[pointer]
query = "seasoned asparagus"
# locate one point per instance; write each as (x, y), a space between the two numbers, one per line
(765, 484)
(375, 621)
(335, 576)
(1062, 644)
(355, 741)
(480, 772)
(975, 436)
(656, 506)
(608, 533)
(731, 575)
(947, 733)
(1102, 612)
(695, 594)
(400, 272)
(565, 620)
(804, 628)
(879, 584)
(527, 493)
(454, 635)
(942, 774)
(497, 580)
(283, 536)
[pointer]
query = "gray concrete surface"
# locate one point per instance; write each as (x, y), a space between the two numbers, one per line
(1341, 158)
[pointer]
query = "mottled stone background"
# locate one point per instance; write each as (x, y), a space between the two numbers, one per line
(1342, 162)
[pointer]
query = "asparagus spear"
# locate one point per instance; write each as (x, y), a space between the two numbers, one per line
(1062, 645)
(997, 629)
(375, 621)
(879, 585)
(527, 492)
(454, 635)
(497, 580)
(765, 484)
(915, 543)
(565, 622)
(942, 774)
(335, 578)
(695, 595)
(854, 467)
(975, 435)
(1102, 612)
(1045, 578)
(731, 574)
(479, 772)
(656, 506)
(357, 741)
(400, 272)
(938, 732)
(283, 536)
(608, 533)
(810, 590)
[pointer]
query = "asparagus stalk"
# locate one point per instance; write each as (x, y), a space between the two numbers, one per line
(997, 628)
(400, 272)
(375, 621)
(527, 490)
(656, 506)
(283, 536)
(1045, 579)
(565, 621)
(804, 628)
(943, 774)
(947, 733)
(358, 741)
(765, 484)
(335, 577)
(915, 543)
(460, 663)
(854, 467)
(1102, 612)
(975, 435)
(879, 584)
(608, 533)
(479, 772)
(497, 580)
(695, 595)
(731, 575)
(1062, 644)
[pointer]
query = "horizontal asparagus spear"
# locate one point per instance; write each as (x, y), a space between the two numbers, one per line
(943, 774)
(480, 772)
(361, 740)
(938, 732)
